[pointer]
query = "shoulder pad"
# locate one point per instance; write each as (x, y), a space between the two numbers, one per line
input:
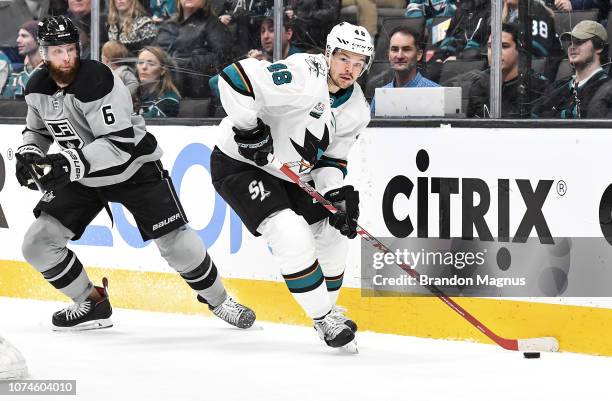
(93, 81)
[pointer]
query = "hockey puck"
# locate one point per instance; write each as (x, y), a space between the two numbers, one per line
(531, 355)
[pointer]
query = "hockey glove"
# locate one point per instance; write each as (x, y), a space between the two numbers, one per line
(61, 168)
(255, 144)
(28, 155)
(346, 200)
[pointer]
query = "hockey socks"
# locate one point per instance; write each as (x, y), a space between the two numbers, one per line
(205, 280)
(308, 289)
(333, 285)
(70, 278)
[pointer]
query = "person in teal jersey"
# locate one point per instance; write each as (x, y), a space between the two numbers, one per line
(157, 94)
(27, 47)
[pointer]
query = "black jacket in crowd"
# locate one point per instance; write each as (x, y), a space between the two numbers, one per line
(478, 104)
(567, 101)
(201, 44)
(314, 19)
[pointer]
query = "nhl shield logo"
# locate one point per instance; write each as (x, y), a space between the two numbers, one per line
(47, 197)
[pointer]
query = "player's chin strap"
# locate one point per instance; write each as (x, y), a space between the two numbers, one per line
(540, 344)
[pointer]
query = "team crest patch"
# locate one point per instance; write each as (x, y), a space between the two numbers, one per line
(64, 133)
(318, 110)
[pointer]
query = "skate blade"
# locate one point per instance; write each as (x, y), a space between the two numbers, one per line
(350, 348)
(92, 325)
(14, 373)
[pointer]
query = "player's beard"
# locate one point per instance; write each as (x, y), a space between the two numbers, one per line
(64, 77)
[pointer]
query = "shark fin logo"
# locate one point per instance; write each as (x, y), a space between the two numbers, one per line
(313, 148)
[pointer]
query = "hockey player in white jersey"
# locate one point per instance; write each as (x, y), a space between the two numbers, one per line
(106, 156)
(307, 110)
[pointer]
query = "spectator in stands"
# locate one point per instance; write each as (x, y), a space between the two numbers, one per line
(198, 42)
(38, 8)
(267, 46)
(5, 70)
(242, 19)
(27, 46)
(544, 38)
(266, 34)
(518, 92)
(572, 5)
(129, 24)
(571, 97)
(314, 18)
(162, 10)
(79, 12)
(157, 94)
(467, 33)
(114, 55)
(430, 9)
(405, 52)
(367, 14)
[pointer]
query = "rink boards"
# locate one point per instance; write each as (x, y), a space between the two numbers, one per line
(572, 162)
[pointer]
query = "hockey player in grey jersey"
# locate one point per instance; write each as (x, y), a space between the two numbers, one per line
(308, 111)
(106, 156)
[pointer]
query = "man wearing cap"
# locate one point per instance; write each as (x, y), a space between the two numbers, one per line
(27, 47)
(571, 97)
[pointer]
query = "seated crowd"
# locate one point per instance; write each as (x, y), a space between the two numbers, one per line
(168, 50)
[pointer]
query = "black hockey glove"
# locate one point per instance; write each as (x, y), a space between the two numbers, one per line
(28, 155)
(61, 168)
(255, 144)
(346, 200)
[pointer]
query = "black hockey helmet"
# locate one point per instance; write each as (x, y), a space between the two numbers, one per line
(57, 30)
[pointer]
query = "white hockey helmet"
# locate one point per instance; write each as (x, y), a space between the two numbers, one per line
(353, 38)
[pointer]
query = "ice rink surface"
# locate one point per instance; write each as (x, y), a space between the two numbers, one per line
(154, 356)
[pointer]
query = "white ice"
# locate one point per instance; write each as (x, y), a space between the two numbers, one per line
(154, 356)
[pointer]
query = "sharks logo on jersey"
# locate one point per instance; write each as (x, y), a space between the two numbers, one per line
(316, 67)
(312, 150)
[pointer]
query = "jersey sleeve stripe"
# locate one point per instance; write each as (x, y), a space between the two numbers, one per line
(325, 161)
(237, 78)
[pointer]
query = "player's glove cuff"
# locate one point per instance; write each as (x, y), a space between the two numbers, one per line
(77, 163)
(31, 151)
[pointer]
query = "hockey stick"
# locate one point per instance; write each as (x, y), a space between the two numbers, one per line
(536, 344)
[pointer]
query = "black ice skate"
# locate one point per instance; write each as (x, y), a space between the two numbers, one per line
(338, 313)
(87, 315)
(334, 332)
(232, 312)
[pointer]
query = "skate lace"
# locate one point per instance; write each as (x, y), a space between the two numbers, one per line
(337, 313)
(76, 310)
(331, 326)
(229, 310)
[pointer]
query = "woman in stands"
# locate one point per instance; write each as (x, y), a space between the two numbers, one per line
(199, 43)
(157, 94)
(129, 24)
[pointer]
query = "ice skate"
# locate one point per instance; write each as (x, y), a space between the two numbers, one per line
(232, 312)
(12, 364)
(87, 315)
(335, 333)
(338, 312)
